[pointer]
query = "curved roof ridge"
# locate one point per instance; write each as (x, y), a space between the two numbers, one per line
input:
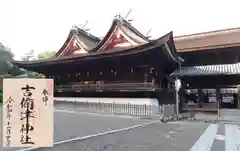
(118, 20)
(73, 32)
(164, 40)
(107, 35)
(128, 24)
(88, 34)
(170, 46)
(70, 35)
(207, 33)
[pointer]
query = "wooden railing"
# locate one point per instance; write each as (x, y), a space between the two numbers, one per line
(109, 86)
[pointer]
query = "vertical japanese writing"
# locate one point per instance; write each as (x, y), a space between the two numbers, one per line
(27, 104)
(45, 96)
(8, 104)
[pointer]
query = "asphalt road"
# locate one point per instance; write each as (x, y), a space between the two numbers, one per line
(154, 137)
(173, 136)
(71, 125)
(178, 136)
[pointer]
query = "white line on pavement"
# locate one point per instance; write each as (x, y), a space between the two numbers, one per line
(232, 142)
(96, 135)
(96, 114)
(204, 143)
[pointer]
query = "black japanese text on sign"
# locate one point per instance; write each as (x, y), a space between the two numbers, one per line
(27, 104)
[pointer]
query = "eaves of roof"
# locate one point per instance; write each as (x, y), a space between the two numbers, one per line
(208, 70)
(166, 39)
(208, 40)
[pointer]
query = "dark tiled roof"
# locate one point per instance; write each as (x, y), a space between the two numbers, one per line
(208, 40)
(89, 35)
(208, 70)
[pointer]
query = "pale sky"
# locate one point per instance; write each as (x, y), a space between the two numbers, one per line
(44, 24)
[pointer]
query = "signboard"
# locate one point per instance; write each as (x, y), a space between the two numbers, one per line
(27, 113)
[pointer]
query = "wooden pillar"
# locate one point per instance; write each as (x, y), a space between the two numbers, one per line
(238, 97)
(238, 102)
(145, 77)
(218, 101)
(182, 99)
(199, 98)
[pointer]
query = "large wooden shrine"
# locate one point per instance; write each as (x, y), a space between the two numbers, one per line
(123, 63)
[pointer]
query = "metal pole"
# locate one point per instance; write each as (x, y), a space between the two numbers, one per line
(177, 96)
(177, 104)
(177, 88)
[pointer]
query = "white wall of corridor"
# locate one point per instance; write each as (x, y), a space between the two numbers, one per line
(137, 101)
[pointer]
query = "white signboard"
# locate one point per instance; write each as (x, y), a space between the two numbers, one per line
(27, 113)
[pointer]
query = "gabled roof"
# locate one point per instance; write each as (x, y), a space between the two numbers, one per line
(77, 40)
(208, 40)
(166, 43)
(121, 33)
(121, 27)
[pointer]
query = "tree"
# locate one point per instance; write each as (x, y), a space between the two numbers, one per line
(28, 56)
(5, 55)
(45, 54)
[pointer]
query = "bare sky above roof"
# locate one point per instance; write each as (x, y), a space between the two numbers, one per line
(44, 24)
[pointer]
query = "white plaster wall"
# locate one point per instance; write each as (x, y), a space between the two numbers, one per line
(138, 101)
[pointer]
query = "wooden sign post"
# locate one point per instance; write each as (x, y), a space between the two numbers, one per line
(27, 112)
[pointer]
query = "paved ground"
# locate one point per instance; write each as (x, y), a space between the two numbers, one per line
(181, 136)
(175, 136)
(68, 125)
(153, 137)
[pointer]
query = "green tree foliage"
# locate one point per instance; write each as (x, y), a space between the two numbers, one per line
(28, 56)
(45, 54)
(5, 55)
(6, 67)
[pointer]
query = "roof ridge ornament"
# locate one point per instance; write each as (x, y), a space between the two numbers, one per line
(120, 17)
(83, 27)
(126, 16)
(147, 34)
